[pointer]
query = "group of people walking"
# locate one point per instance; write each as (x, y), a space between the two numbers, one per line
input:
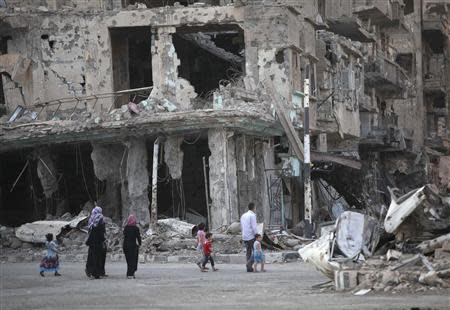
(96, 241)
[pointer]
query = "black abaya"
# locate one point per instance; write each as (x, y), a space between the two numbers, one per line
(131, 243)
(95, 265)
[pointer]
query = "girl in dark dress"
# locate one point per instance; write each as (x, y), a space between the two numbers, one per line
(95, 265)
(131, 244)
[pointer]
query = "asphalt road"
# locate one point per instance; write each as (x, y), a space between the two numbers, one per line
(182, 286)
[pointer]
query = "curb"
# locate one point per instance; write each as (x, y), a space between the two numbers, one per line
(271, 258)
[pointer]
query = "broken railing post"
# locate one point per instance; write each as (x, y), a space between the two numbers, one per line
(306, 154)
(154, 205)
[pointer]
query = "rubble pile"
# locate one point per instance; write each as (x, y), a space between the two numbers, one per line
(172, 237)
(407, 250)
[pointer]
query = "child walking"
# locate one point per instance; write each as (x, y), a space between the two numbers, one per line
(258, 255)
(207, 252)
(201, 238)
(50, 262)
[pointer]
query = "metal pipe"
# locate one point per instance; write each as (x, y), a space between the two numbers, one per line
(307, 156)
(18, 178)
(154, 205)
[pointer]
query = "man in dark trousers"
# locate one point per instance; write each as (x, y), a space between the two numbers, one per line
(249, 230)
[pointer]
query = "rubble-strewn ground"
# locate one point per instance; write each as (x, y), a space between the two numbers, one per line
(163, 242)
(182, 286)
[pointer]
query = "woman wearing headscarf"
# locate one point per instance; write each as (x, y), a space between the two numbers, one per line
(131, 244)
(95, 265)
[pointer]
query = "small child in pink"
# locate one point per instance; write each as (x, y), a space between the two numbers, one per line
(200, 242)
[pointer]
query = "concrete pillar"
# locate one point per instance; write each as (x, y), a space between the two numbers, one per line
(167, 85)
(108, 161)
(173, 155)
(268, 162)
(164, 63)
(222, 179)
(136, 198)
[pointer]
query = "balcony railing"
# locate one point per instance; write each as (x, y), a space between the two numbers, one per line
(387, 76)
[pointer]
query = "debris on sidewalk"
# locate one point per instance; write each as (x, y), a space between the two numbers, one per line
(416, 260)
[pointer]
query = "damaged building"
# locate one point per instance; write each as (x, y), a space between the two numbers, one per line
(192, 110)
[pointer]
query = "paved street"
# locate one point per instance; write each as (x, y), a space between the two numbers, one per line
(182, 286)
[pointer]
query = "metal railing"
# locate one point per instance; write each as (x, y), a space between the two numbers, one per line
(82, 101)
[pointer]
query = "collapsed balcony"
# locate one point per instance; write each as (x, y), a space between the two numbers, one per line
(383, 13)
(434, 17)
(386, 76)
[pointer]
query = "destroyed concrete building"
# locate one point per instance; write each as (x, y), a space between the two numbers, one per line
(167, 109)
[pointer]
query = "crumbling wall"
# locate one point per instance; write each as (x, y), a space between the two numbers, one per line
(341, 79)
(222, 180)
(266, 40)
(56, 45)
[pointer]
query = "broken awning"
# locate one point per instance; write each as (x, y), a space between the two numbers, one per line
(402, 207)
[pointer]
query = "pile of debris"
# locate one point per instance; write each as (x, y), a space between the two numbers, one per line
(171, 236)
(407, 250)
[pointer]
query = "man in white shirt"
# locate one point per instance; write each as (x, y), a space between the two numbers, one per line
(249, 230)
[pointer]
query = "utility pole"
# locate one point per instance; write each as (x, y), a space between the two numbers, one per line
(307, 155)
(154, 205)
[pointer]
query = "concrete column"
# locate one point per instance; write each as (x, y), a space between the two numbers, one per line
(268, 162)
(108, 161)
(420, 131)
(164, 63)
(168, 86)
(137, 182)
(222, 179)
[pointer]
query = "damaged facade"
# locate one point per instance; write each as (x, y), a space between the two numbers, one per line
(161, 108)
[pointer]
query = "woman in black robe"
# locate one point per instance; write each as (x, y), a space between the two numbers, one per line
(95, 265)
(131, 244)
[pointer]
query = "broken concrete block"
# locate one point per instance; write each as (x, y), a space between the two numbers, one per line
(431, 278)
(234, 228)
(393, 255)
(291, 242)
(178, 227)
(290, 256)
(446, 246)
(441, 253)
(15, 243)
(169, 106)
(429, 245)
(345, 279)
(390, 277)
(36, 231)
